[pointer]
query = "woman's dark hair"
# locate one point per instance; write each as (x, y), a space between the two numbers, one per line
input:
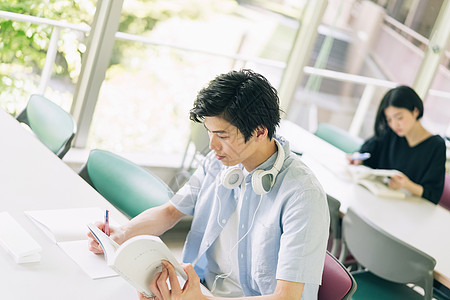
(243, 98)
(400, 97)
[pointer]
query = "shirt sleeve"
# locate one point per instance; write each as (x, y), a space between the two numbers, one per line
(371, 146)
(433, 180)
(305, 222)
(185, 199)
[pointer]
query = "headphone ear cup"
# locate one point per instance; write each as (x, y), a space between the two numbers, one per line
(232, 177)
(262, 181)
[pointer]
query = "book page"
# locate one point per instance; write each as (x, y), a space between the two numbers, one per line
(364, 172)
(380, 189)
(66, 224)
(138, 260)
(92, 264)
(385, 172)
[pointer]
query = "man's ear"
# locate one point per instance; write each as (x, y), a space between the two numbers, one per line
(261, 133)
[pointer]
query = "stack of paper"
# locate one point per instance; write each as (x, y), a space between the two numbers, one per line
(17, 241)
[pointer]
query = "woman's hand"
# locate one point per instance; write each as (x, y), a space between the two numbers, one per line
(399, 181)
(117, 234)
(190, 291)
(351, 159)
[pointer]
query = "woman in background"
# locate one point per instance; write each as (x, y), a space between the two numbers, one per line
(403, 144)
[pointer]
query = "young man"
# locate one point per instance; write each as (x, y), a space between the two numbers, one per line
(260, 217)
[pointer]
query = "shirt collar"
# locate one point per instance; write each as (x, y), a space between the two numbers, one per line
(268, 164)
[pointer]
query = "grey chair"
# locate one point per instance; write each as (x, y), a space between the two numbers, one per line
(335, 225)
(51, 124)
(129, 187)
(338, 137)
(389, 263)
(337, 282)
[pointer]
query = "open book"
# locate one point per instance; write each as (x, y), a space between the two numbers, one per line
(375, 180)
(67, 228)
(138, 259)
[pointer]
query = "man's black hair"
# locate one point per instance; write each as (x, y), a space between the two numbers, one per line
(243, 98)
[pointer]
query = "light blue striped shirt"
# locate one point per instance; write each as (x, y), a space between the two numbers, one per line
(290, 231)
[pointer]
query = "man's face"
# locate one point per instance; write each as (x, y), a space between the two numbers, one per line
(228, 142)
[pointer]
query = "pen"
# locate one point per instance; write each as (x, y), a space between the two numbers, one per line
(360, 156)
(106, 230)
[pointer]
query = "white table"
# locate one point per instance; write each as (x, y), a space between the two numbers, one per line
(32, 178)
(414, 220)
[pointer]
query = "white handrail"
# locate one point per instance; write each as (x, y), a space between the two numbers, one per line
(346, 77)
(411, 33)
(407, 30)
(137, 38)
(438, 93)
(36, 20)
(141, 39)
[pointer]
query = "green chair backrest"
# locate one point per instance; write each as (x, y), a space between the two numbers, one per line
(338, 137)
(386, 256)
(129, 187)
(52, 125)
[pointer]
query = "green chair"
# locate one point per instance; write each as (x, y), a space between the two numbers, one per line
(127, 186)
(52, 125)
(389, 263)
(338, 137)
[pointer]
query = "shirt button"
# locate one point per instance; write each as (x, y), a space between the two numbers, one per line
(242, 256)
(242, 226)
(224, 221)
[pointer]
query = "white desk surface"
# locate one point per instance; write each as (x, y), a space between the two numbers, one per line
(414, 220)
(33, 178)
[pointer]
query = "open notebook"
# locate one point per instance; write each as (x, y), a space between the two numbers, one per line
(68, 229)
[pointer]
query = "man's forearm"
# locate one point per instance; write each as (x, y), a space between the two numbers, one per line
(153, 221)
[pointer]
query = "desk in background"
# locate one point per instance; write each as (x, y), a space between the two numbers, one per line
(413, 220)
(33, 178)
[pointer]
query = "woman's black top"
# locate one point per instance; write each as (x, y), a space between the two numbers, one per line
(424, 163)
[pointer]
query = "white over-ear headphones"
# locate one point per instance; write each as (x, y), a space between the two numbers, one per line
(262, 180)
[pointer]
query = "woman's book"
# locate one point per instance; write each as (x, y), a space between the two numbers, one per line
(364, 172)
(375, 180)
(137, 260)
(380, 189)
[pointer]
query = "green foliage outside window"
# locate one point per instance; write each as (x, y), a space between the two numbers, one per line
(23, 46)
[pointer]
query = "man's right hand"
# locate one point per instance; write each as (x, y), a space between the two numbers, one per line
(117, 234)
